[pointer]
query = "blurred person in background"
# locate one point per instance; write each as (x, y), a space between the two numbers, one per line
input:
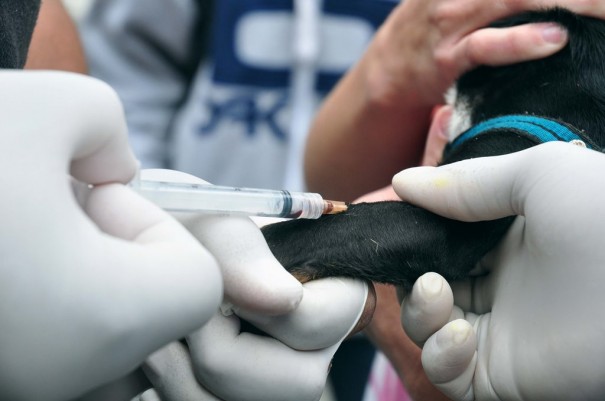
(226, 90)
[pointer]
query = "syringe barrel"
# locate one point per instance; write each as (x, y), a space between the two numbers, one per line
(222, 200)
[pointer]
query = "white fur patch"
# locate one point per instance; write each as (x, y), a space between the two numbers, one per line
(460, 120)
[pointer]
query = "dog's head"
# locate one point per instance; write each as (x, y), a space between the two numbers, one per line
(568, 89)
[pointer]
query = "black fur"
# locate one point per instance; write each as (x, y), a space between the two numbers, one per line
(395, 242)
(567, 86)
(389, 242)
(17, 21)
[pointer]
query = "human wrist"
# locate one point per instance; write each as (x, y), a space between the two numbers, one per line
(390, 97)
(385, 329)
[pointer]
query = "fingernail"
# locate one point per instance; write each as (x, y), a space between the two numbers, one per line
(460, 332)
(431, 285)
(455, 334)
(554, 33)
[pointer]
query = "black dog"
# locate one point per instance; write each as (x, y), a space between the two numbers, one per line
(558, 98)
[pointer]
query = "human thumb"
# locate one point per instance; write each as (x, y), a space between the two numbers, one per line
(470, 190)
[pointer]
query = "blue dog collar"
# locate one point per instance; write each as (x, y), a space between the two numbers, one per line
(540, 129)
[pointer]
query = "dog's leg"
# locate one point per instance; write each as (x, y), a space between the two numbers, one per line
(389, 242)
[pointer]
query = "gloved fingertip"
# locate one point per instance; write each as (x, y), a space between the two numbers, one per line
(332, 309)
(412, 181)
(368, 311)
(403, 176)
(431, 294)
(449, 359)
(454, 334)
(427, 308)
(269, 297)
(430, 286)
(148, 395)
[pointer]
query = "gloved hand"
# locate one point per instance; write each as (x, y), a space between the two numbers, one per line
(293, 363)
(242, 366)
(85, 295)
(532, 327)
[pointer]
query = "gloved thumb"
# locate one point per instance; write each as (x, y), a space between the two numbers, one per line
(470, 190)
(485, 188)
(331, 310)
(235, 365)
(253, 278)
(449, 358)
(489, 188)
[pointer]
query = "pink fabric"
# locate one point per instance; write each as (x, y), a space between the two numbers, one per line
(384, 383)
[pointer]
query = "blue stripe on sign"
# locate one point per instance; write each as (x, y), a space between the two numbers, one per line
(229, 69)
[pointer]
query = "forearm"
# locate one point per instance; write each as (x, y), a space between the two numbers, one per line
(375, 122)
(386, 333)
(55, 43)
(360, 139)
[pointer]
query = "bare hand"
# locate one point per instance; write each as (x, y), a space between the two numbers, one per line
(425, 45)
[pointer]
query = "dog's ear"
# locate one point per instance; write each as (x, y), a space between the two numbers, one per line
(438, 135)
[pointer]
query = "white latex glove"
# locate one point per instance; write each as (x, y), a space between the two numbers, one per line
(244, 366)
(84, 303)
(253, 278)
(239, 366)
(293, 363)
(532, 328)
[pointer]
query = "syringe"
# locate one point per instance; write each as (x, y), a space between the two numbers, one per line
(223, 200)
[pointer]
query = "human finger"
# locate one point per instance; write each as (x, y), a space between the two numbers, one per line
(253, 278)
(77, 294)
(473, 14)
(102, 153)
(470, 190)
(329, 312)
(504, 46)
(171, 373)
(165, 284)
(86, 123)
(427, 308)
(449, 358)
(245, 366)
